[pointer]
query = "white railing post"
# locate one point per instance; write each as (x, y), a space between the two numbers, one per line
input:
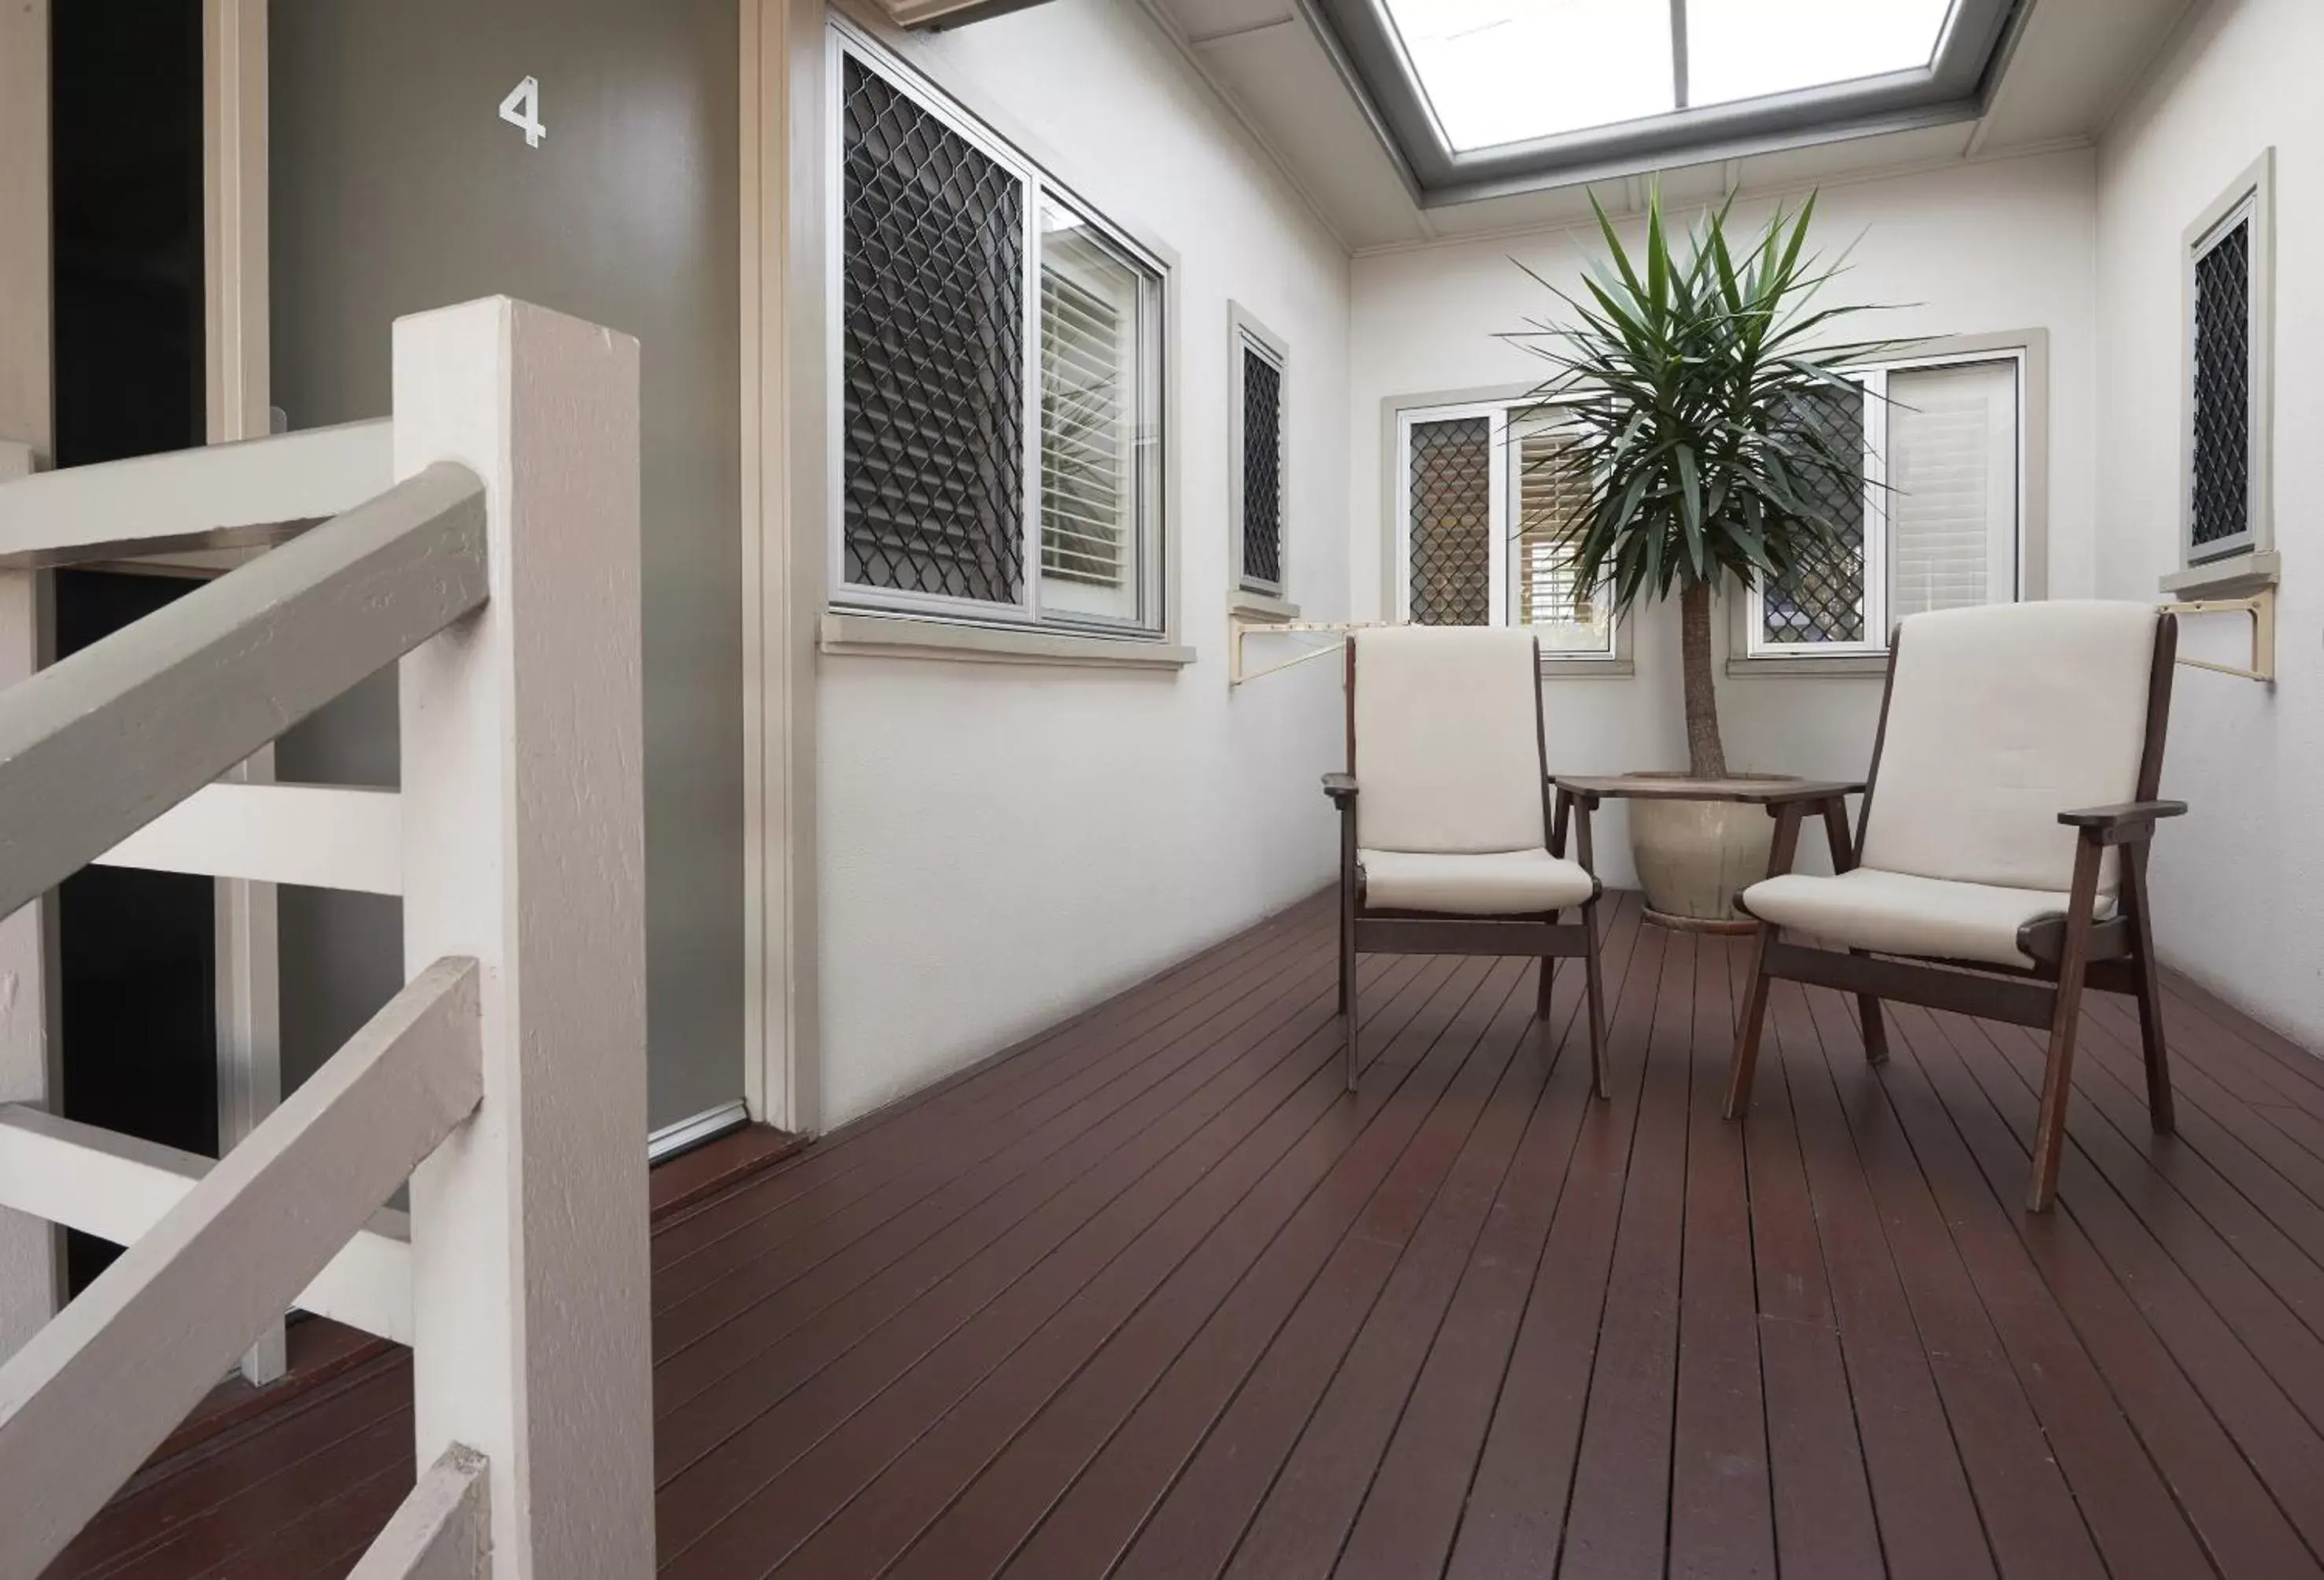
(31, 1271)
(523, 829)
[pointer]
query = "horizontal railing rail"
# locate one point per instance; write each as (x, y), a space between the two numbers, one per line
(95, 1391)
(118, 1187)
(243, 495)
(321, 836)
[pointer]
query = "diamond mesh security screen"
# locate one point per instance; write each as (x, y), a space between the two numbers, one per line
(1823, 600)
(932, 349)
(2223, 388)
(1451, 521)
(1262, 469)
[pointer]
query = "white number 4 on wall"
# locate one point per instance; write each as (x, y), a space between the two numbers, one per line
(522, 109)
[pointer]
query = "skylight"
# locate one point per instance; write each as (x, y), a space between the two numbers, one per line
(1495, 72)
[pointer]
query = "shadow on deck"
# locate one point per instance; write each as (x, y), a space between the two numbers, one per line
(1150, 1295)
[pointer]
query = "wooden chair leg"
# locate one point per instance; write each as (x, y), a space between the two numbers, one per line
(1348, 954)
(1745, 1062)
(1876, 1026)
(1541, 1022)
(1595, 982)
(2159, 1108)
(2065, 1025)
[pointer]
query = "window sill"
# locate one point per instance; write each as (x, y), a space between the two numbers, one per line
(1263, 606)
(859, 635)
(1587, 668)
(2238, 575)
(1787, 667)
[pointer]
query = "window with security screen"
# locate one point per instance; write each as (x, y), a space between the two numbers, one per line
(999, 352)
(1450, 539)
(2221, 374)
(1823, 602)
(2227, 279)
(1259, 418)
(1930, 520)
(1490, 497)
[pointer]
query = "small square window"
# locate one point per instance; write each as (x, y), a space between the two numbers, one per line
(2228, 279)
(1258, 416)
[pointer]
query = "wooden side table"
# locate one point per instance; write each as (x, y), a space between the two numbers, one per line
(1787, 801)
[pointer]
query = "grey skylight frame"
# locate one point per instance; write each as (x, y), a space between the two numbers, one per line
(1369, 53)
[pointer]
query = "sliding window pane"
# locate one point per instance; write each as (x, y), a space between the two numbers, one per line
(1952, 474)
(1451, 524)
(932, 334)
(1097, 307)
(1553, 496)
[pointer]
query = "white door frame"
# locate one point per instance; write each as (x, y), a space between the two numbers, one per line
(31, 1251)
(236, 397)
(782, 570)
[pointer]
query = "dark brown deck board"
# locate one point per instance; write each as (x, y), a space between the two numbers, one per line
(1200, 1243)
(1962, 1483)
(1148, 1295)
(1514, 1520)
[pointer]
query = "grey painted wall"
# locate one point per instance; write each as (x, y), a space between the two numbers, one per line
(396, 188)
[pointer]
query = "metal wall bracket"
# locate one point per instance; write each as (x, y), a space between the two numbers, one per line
(2260, 607)
(1240, 626)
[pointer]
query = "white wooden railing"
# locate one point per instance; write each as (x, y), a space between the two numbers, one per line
(487, 539)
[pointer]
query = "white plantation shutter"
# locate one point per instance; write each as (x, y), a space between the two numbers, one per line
(1551, 495)
(1086, 462)
(1952, 474)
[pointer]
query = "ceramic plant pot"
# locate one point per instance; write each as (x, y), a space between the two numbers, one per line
(1695, 857)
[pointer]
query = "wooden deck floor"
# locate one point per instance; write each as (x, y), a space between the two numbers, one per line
(1151, 1296)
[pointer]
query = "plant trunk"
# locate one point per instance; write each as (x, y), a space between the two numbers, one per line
(1705, 758)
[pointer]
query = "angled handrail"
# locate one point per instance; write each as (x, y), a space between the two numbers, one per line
(95, 1391)
(99, 745)
(118, 1187)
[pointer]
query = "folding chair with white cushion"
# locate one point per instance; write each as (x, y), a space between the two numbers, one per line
(2000, 859)
(1446, 840)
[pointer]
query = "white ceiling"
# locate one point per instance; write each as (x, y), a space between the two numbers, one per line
(2073, 62)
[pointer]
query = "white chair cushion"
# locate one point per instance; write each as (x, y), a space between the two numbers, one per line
(1446, 745)
(1496, 883)
(1898, 913)
(1999, 719)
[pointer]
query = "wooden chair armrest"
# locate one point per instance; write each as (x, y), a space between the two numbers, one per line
(1577, 789)
(2124, 825)
(1341, 789)
(2129, 812)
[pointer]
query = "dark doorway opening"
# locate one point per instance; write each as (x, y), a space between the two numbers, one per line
(136, 950)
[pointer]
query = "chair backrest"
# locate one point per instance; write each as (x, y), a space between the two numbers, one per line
(1999, 719)
(1444, 738)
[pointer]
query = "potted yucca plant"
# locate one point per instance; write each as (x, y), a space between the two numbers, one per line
(1692, 375)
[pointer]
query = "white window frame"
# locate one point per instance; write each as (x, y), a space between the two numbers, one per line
(1247, 335)
(2251, 195)
(1748, 644)
(1500, 408)
(1151, 554)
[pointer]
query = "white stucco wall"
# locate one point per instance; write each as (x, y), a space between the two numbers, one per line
(1000, 847)
(2003, 245)
(2239, 883)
